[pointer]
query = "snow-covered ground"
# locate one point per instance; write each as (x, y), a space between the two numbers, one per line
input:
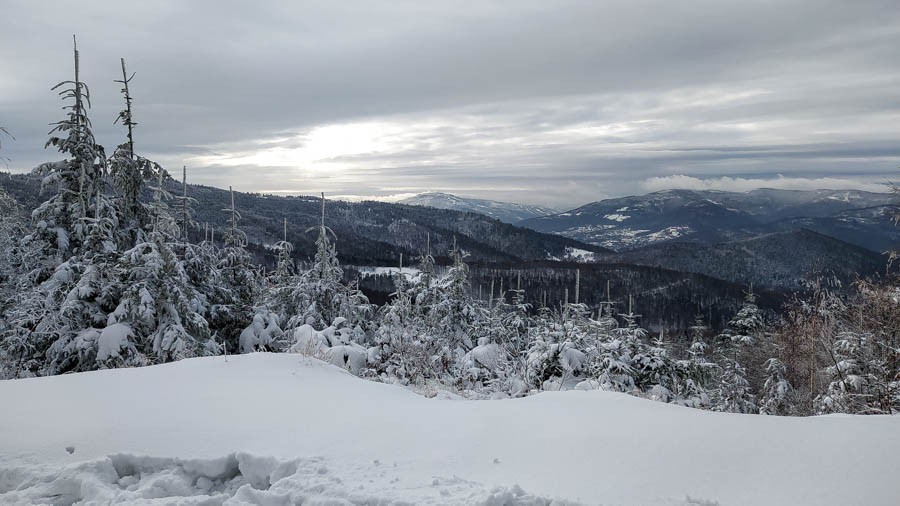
(409, 273)
(285, 429)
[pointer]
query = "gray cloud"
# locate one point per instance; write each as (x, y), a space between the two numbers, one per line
(549, 102)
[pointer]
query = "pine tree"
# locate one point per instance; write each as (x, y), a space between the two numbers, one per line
(401, 350)
(452, 313)
(14, 263)
(71, 288)
(734, 392)
(129, 173)
(230, 315)
(265, 332)
(496, 363)
(157, 317)
(696, 372)
(776, 394)
(321, 294)
(61, 221)
(562, 349)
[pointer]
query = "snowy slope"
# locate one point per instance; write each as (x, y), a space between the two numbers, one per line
(343, 440)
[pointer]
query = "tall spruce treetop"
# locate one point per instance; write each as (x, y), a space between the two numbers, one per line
(426, 264)
(60, 220)
(130, 172)
(4, 132)
(284, 264)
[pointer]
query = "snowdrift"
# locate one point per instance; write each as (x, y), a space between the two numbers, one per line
(284, 429)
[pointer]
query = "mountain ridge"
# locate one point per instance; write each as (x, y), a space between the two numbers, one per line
(711, 216)
(508, 212)
(768, 260)
(368, 233)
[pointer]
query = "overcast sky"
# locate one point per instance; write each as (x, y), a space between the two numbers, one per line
(549, 102)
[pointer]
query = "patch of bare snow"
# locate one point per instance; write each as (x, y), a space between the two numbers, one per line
(285, 429)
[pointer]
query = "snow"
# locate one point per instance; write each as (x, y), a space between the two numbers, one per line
(286, 429)
(620, 237)
(843, 197)
(666, 234)
(409, 273)
(575, 254)
(579, 254)
(616, 217)
(112, 339)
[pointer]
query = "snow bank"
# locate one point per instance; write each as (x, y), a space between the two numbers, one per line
(328, 435)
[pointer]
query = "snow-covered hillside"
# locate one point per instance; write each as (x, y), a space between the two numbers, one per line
(303, 429)
(858, 217)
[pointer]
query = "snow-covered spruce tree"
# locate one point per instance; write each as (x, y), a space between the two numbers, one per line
(14, 263)
(60, 221)
(874, 310)
(496, 363)
(201, 265)
(451, 314)
(401, 350)
(71, 288)
(616, 356)
(17, 317)
(129, 173)
(85, 302)
(734, 392)
(776, 398)
(623, 359)
(696, 371)
(233, 312)
(285, 267)
(657, 374)
(13, 259)
(863, 360)
(426, 264)
(158, 318)
(651, 368)
(556, 358)
(853, 376)
(264, 332)
(322, 299)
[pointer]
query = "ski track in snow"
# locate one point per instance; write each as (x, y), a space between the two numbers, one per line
(280, 429)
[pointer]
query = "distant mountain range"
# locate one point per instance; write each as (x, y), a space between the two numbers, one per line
(856, 217)
(679, 252)
(506, 212)
(368, 233)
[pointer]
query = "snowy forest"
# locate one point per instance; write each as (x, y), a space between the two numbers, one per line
(100, 277)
